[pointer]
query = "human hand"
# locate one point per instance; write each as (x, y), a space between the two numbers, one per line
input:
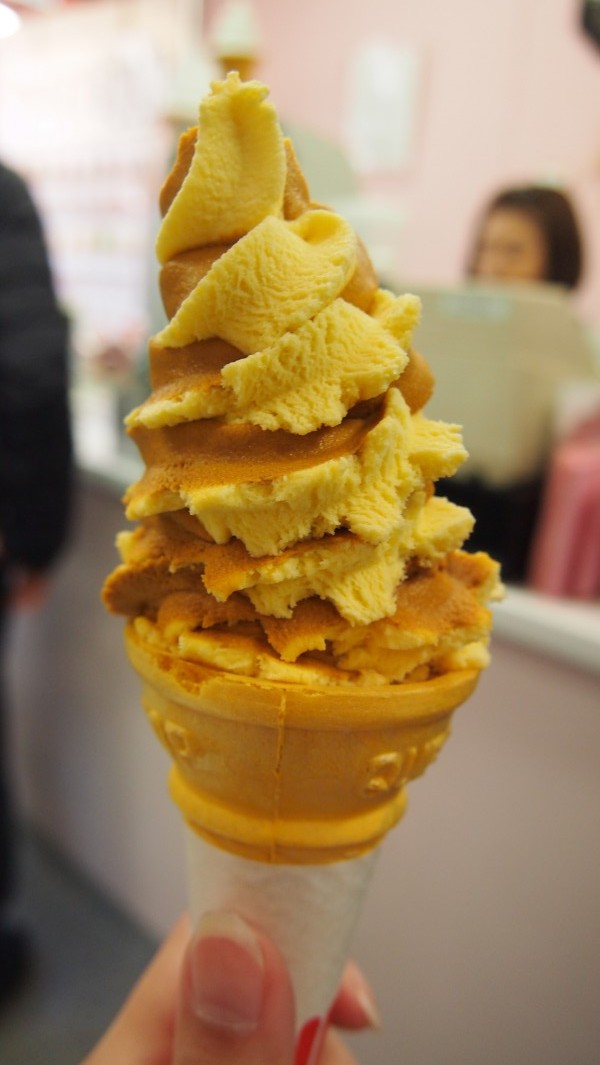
(223, 998)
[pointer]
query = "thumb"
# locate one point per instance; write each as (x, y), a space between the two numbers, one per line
(236, 1002)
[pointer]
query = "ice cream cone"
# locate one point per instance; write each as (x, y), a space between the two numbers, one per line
(236, 38)
(289, 773)
(301, 612)
(286, 794)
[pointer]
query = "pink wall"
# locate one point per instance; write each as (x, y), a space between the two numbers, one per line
(510, 92)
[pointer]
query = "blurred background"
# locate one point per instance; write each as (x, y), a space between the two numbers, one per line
(481, 933)
(428, 111)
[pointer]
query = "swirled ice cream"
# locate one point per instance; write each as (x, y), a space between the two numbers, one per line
(287, 522)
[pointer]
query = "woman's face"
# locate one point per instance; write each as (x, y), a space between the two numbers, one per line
(512, 247)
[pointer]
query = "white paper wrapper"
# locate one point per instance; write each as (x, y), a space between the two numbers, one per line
(309, 911)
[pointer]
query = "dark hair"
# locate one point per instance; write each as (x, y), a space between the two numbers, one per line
(553, 212)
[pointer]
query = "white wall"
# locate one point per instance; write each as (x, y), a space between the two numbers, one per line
(509, 92)
(482, 929)
(89, 771)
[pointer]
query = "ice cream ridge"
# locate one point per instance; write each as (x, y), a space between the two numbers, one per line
(300, 608)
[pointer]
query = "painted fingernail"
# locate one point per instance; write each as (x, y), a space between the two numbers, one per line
(227, 971)
(363, 995)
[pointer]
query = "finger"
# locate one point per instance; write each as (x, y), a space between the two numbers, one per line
(142, 1033)
(334, 1051)
(355, 1005)
(236, 1003)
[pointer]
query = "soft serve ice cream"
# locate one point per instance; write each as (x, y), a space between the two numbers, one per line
(288, 527)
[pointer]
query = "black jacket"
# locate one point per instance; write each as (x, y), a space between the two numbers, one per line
(35, 438)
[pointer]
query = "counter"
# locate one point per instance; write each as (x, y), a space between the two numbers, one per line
(562, 629)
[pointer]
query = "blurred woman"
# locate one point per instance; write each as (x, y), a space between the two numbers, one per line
(528, 234)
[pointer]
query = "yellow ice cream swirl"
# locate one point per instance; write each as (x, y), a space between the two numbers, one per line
(289, 465)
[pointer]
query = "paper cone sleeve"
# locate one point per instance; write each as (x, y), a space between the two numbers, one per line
(309, 911)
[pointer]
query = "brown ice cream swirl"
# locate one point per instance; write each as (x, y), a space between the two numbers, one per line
(286, 578)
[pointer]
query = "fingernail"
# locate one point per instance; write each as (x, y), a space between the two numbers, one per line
(363, 995)
(227, 973)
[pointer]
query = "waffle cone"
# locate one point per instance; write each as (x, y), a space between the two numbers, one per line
(292, 774)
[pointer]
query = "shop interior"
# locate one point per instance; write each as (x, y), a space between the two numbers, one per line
(480, 933)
